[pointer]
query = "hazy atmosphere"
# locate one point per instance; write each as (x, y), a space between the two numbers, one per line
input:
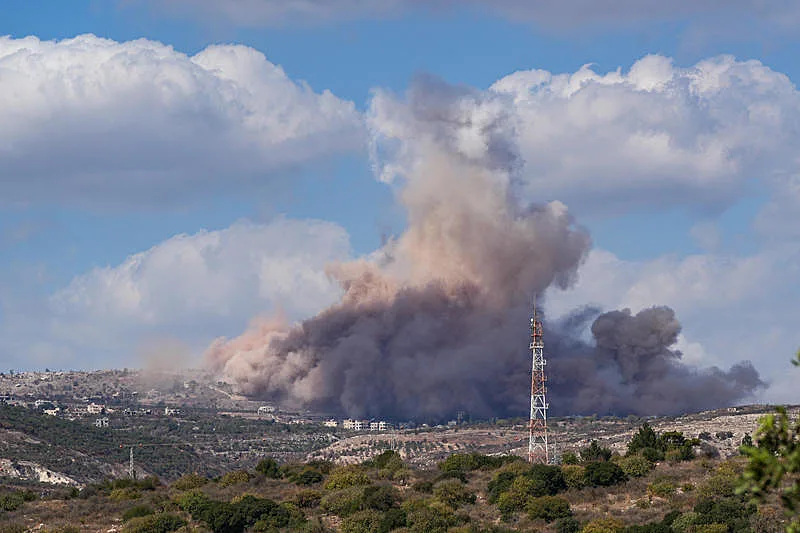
(352, 208)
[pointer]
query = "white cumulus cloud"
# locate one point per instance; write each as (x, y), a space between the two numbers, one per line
(191, 287)
(654, 136)
(138, 123)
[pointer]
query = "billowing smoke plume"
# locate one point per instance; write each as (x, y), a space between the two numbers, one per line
(436, 321)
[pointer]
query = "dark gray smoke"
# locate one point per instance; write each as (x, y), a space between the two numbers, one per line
(437, 322)
(632, 367)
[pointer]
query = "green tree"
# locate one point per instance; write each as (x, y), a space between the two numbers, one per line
(268, 467)
(346, 476)
(453, 493)
(548, 508)
(774, 463)
(604, 474)
(645, 438)
(594, 452)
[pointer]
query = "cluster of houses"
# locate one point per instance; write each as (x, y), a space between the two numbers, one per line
(359, 425)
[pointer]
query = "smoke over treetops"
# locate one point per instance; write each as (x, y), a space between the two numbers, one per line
(437, 320)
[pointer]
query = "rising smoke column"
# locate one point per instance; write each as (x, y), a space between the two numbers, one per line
(436, 321)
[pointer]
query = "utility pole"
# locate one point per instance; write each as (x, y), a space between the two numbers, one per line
(538, 446)
(131, 469)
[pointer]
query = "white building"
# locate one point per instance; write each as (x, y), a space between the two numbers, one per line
(332, 423)
(101, 422)
(378, 426)
(95, 408)
(52, 412)
(169, 411)
(355, 425)
(266, 410)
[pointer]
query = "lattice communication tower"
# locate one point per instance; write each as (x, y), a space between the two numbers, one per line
(538, 446)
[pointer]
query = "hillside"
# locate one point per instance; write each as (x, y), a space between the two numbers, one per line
(659, 486)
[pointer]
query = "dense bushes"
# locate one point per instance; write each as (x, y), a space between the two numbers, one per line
(574, 476)
(189, 482)
(453, 493)
(269, 468)
(635, 466)
(548, 508)
(234, 478)
(604, 474)
(539, 480)
(346, 501)
(515, 486)
(136, 512)
(474, 461)
(154, 523)
(346, 476)
(11, 501)
(246, 512)
(670, 445)
(594, 452)
(304, 474)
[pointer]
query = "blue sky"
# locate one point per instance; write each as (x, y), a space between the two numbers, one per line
(68, 230)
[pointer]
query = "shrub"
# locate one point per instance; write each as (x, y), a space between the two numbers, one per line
(684, 522)
(574, 476)
(304, 474)
(433, 517)
(343, 502)
(604, 474)
(136, 512)
(674, 456)
(268, 467)
(594, 453)
(722, 483)
(387, 460)
(635, 466)
(346, 476)
(603, 525)
(733, 512)
(661, 488)
(570, 458)
(189, 482)
(192, 502)
(309, 476)
(120, 495)
(467, 462)
(453, 493)
(394, 519)
(548, 480)
(548, 508)
(653, 454)
(711, 528)
(234, 478)
(307, 498)
(380, 497)
(11, 501)
(424, 486)
(644, 438)
(452, 474)
(569, 524)
(157, 523)
(510, 503)
(368, 521)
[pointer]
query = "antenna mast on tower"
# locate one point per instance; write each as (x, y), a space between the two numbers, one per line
(538, 447)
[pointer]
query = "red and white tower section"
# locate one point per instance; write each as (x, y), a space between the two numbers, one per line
(538, 446)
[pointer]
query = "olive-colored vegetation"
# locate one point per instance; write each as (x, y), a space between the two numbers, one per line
(656, 487)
